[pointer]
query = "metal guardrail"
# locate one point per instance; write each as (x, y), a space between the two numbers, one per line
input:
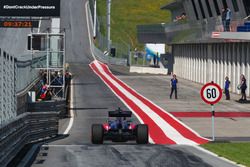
(67, 97)
(59, 106)
(22, 104)
(26, 128)
(232, 28)
(107, 59)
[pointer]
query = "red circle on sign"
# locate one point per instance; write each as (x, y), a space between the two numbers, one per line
(217, 99)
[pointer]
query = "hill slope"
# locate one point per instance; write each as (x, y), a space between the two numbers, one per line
(126, 14)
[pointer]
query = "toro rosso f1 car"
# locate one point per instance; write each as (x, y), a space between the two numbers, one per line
(119, 129)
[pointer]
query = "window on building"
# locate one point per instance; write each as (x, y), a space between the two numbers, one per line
(195, 10)
(245, 53)
(224, 2)
(202, 10)
(209, 9)
(247, 6)
(240, 53)
(216, 7)
(235, 5)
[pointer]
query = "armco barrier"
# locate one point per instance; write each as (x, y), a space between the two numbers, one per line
(59, 106)
(26, 128)
(48, 106)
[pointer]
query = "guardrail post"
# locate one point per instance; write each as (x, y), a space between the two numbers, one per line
(1, 87)
(23, 130)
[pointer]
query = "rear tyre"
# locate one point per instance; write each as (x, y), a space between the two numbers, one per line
(142, 134)
(97, 134)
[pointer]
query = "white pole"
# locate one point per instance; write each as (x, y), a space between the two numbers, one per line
(213, 114)
(94, 28)
(108, 23)
(64, 62)
(48, 52)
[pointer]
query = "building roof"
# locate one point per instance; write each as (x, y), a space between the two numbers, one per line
(173, 5)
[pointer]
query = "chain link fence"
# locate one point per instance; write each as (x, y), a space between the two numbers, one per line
(119, 49)
(108, 59)
(25, 74)
(139, 58)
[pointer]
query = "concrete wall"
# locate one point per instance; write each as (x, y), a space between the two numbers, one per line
(7, 87)
(14, 41)
(204, 63)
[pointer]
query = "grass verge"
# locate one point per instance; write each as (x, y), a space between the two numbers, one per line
(237, 152)
(126, 14)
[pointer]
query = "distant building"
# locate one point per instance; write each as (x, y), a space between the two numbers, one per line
(202, 51)
(209, 9)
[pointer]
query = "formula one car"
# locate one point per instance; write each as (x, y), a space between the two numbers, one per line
(119, 129)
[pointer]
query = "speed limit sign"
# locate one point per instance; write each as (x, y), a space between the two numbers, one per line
(211, 93)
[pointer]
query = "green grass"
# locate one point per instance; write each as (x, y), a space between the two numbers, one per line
(126, 14)
(237, 152)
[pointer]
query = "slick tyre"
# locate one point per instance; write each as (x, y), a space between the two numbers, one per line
(142, 134)
(97, 134)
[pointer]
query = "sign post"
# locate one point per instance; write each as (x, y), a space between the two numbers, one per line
(211, 93)
(213, 114)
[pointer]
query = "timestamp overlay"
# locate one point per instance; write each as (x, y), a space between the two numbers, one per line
(19, 24)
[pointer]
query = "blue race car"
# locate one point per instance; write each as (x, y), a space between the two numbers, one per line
(119, 129)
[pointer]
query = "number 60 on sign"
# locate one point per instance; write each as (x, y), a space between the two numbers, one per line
(211, 93)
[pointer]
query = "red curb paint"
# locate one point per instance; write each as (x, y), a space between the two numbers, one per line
(174, 123)
(156, 133)
(208, 114)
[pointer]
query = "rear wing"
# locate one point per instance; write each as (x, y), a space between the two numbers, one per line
(119, 113)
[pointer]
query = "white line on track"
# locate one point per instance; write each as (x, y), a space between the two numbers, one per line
(198, 147)
(217, 156)
(73, 145)
(195, 146)
(169, 131)
(137, 116)
(163, 110)
(87, 20)
(71, 121)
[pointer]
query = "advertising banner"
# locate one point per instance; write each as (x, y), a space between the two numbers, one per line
(29, 8)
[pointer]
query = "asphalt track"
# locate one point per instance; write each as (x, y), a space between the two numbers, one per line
(91, 101)
(163, 128)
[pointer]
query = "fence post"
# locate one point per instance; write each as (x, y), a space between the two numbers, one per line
(144, 57)
(129, 58)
